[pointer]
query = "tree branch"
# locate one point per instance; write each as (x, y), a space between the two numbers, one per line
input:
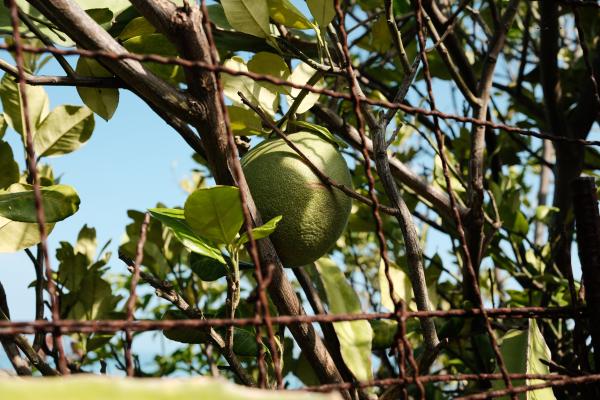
(438, 199)
(184, 27)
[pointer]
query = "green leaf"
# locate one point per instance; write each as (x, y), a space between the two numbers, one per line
(301, 75)
(17, 203)
(64, 130)
(244, 122)
(156, 43)
(174, 219)
(355, 336)
(384, 332)
(102, 16)
(89, 387)
(86, 243)
(284, 12)
(248, 16)
(322, 10)
(261, 231)
(38, 104)
(137, 27)
(102, 101)
(183, 335)
(522, 352)
(8, 166)
(216, 14)
(206, 268)
(215, 213)
(402, 286)
(273, 65)
(262, 95)
(15, 236)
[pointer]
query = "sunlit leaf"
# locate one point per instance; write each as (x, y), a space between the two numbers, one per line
(174, 219)
(102, 101)
(215, 213)
(64, 130)
(248, 16)
(285, 13)
(17, 203)
(322, 10)
(355, 337)
(37, 102)
(522, 352)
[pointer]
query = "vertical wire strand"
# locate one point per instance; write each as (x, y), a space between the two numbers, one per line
(32, 168)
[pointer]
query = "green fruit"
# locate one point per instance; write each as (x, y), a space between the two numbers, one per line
(314, 214)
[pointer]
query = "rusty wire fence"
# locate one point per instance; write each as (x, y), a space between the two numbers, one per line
(409, 373)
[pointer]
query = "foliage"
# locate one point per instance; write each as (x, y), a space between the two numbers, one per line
(198, 249)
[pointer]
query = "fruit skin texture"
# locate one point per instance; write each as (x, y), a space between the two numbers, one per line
(314, 215)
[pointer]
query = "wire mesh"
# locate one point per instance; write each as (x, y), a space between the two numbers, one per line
(409, 373)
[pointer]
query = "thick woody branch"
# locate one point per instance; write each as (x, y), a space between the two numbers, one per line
(480, 111)
(186, 22)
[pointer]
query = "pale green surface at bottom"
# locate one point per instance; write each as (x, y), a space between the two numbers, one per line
(116, 388)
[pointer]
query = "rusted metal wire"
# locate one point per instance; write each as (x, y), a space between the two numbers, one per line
(262, 317)
(135, 278)
(381, 383)
(276, 81)
(579, 380)
(33, 174)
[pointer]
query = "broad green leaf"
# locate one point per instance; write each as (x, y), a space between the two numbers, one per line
(402, 286)
(73, 266)
(284, 12)
(265, 97)
(64, 130)
(156, 43)
(100, 100)
(384, 331)
(301, 75)
(86, 243)
(8, 166)
(270, 64)
(244, 122)
(37, 101)
(216, 14)
(248, 16)
(17, 203)
(92, 387)
(15, 236)
(174, 219)
(522, 352)
(206, 268)
(355, 336)
(183, 335)
(102, 16)
(322, 10)
(323, 131)
(137, 27)
(215, 213)
(261, 231)
(209, 270)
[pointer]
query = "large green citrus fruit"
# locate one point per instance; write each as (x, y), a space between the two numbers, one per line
(314, 215)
